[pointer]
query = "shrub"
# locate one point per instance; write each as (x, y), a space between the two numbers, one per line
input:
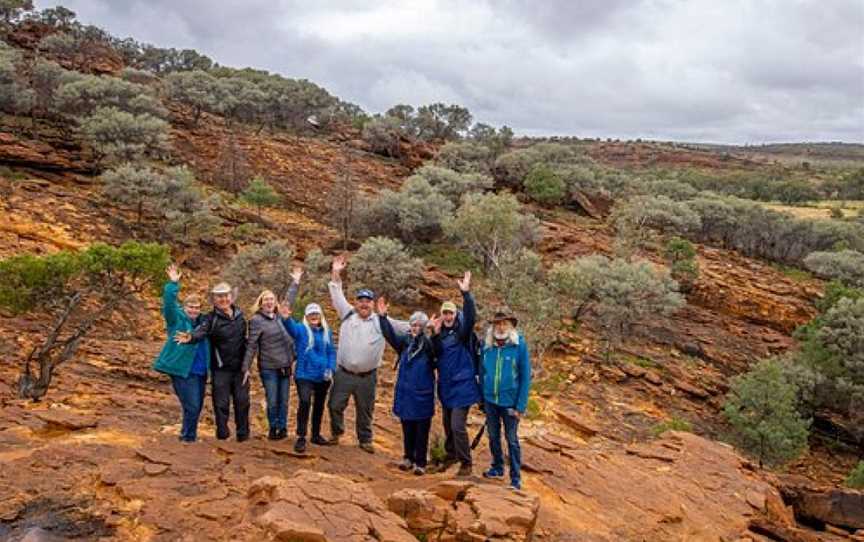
(415, 213)
(247, 231)
(316, 277)
(671, 188)
(761, 408)
(490, 225)
(621, 293)
(196, 89)
(190, 216)
(258, 268)
(465, 157)
(452, 184)
(834, 292)
(846, 266)
(120, 136)
(674, 424)
(636, 219)
(342, 206)
(511, 168)
(681, 257)
(383, 135)
(855, 480)
(260, 194)
(385, 266)
(836, 213)
(134, 186)
(545, 186)
(86, 94)
(450, 259)
(15, 96)
(78, 290)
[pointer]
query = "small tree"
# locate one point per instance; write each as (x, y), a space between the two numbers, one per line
(260, 194)
(545, 186)
(845, 265)
(77, 289)
(190, 215)
(233, 172)
(385, 266)
(639, 217)
(266, 267)
(120, 136)
(452, 184)
(490, 225)
(761, 407)
(342, 205)
(196, 89)
(383, 135)
(681, 257)
(413, 214)
(134, 186)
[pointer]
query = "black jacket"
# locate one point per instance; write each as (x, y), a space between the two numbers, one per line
(227, 338)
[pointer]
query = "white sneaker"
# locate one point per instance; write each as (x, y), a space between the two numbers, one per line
(405, 464)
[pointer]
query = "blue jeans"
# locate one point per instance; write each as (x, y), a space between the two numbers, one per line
(276, 389)
(495, 415)
(190, 391)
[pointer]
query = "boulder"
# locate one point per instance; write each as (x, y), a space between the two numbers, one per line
(841, 507)
(65, 420)
(317, 507)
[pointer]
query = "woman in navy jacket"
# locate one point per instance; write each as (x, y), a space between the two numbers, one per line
(414, 398)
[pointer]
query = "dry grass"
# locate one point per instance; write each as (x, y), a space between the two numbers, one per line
(819, 209)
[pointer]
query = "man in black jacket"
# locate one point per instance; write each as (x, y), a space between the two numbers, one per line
(225, 326)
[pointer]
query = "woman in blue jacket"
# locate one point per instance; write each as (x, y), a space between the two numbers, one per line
(506, 379)
(414, 397)
(186, 364)
(316, 362)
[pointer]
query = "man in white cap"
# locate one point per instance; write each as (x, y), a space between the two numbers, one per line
(225, 326)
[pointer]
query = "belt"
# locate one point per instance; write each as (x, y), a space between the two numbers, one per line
(361, 374)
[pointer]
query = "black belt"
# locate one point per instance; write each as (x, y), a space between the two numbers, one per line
(361, 375)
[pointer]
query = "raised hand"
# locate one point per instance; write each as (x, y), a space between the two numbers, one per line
(285, 310)
(339, 263)
(297, 274)
(465, 283)
(435, 323)
(174, 273)
(382, 306)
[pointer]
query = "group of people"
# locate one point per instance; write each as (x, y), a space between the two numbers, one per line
(493, 372)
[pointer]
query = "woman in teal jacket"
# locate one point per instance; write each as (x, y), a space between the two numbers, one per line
(186, 364)
(506, 379)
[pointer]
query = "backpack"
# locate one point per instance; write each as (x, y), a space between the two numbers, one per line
(475, 346)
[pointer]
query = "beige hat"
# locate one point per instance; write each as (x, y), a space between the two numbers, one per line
(221, 288)
(448, 306)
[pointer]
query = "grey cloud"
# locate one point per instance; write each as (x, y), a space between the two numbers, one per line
(735, 71)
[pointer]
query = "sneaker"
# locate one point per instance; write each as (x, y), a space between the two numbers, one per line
(405, 464)
(515, 485)
(300, 445)
(281, 433)
(446, 464)
(465, 470)
(494, 473)
(419, 471)
(273, 434)
(334, 440)
(318, 440)
(367, 447)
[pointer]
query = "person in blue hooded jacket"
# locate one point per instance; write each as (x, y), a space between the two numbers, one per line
(458, 388)
(414, 396)
(186, 364)
(506, 379)
(316, 362)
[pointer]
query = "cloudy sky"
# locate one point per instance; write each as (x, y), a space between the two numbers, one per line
(736, 71)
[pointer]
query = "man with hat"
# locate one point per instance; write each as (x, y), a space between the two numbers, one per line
(358, 356)
(457, 374)
(225, 326)
(506, 378)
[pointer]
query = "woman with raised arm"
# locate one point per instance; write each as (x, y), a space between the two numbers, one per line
(186, 364)
(274, 347)
(414, 398)
(316, 362)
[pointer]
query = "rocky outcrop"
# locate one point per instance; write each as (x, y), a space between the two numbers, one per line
(316, 507)
(832, 506)
(38, 155)
(456, 511)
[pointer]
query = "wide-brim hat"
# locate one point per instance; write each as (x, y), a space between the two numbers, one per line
(221, 288)
(502, 315)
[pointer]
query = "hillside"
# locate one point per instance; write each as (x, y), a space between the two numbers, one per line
(98, 458)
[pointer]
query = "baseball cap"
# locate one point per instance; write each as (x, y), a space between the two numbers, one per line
(448, 306)
(312, 308)
(365, 292)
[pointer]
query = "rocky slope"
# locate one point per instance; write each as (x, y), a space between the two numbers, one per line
(99, 457)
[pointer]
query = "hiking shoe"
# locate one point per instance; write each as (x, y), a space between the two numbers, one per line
(273, 434)
(494, 473)
(419, 471)
(281, 433)
(300, 445)
(318, 440)
(465, 470)
(405, 464)
(334, 440)
(367, 447)
(242, 438)
(515, 485)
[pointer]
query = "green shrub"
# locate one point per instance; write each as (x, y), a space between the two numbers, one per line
(255, 269)
(119, 136)
(383, 135)
(450, 259)
(845, 265)
(437, 451)
(260, 194)
(140, 187)
(855, 480)
(636, 219)
(681, 257)
(533, 410)
(674, 424)
(247, 231)
(545, 186)
(761, 408)
(465, 157)
(836, 213)
(385, 266)
(452, 184)
(414, 214)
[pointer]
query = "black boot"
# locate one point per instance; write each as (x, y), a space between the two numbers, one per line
(318, 440)
(300, 445)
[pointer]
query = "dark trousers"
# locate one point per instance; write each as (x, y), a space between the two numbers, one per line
(276, 389)
(456, 443)
(228, 387)
(311, 396)
(190, 391)
(495, 416)
(415, 440)
(362, 389)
